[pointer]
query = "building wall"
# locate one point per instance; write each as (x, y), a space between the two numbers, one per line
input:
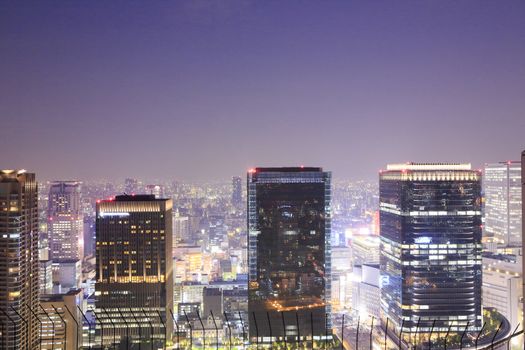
(502, 287)
(134, 264)
(431, 246)
(289, 249)
(19, 259)
(502, 189)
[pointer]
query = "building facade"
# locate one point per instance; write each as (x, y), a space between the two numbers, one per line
(502, 190)
(134, 268)
(18, 259)
(59, 315)
(502, 285)
(431, 265)
(289, 225)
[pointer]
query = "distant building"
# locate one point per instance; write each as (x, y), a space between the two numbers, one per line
(430, 217)
(134, 265)
(237, 192)
(156, 190)
(68, 274)
(181, 229)
(18, 259)
(365, 249)
(45, 276)
(131, 186)
(289, 251)
(366, 292)
(65, 221)
(502, 188)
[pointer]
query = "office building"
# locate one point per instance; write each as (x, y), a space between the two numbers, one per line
(502, 190)
(237, 192)
(55, 310)
(430, 217)
(18, 259)
(365, 249)
(45, 276)
(134, 266)
(365, 291)
(502, 285)
(523, 220)
(289, 218)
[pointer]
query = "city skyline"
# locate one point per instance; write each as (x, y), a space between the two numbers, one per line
(203, 84)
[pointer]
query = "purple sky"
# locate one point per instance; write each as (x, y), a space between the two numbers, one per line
(203, 90)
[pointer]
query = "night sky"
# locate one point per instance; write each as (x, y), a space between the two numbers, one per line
(203, 90)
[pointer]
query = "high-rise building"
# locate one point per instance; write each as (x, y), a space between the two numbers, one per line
(65, 221)
(289, 218)
(523, 220)
(134, 266)
(18, 259)
(431, 246)
(502, 189)
(237, 192)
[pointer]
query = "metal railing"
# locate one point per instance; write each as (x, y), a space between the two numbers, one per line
(62, 329)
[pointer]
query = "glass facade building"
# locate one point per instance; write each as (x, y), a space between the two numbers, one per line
(502, 190)
(18, 260)
(134, 268)
(289, 218)
(430, 219)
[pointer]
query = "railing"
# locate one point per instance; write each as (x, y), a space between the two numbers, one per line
(63, 328)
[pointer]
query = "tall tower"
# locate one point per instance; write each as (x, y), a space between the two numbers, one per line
(289, 218)
(65, 221)
(134, 266)
(523, 219)
(237, 192)
(430, 217)
(502, 188)
(18, 259)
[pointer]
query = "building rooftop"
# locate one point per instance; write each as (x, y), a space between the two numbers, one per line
(285, 169)
(429, 166)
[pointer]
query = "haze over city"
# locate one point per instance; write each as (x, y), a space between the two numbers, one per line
(204, 90)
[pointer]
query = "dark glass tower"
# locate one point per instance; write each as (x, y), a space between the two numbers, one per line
(134, 266)
(289, 253)
(430, 217)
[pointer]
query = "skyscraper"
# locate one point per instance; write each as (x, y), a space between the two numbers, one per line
(289, 218)
(502, 188)
(134, 265)
(65, 221)
(431, 246)
(237, 192)
(18, 259)
(523, 220)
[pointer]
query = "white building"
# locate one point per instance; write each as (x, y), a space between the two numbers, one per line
(502, 286)
(502, 188)
(366, 293)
